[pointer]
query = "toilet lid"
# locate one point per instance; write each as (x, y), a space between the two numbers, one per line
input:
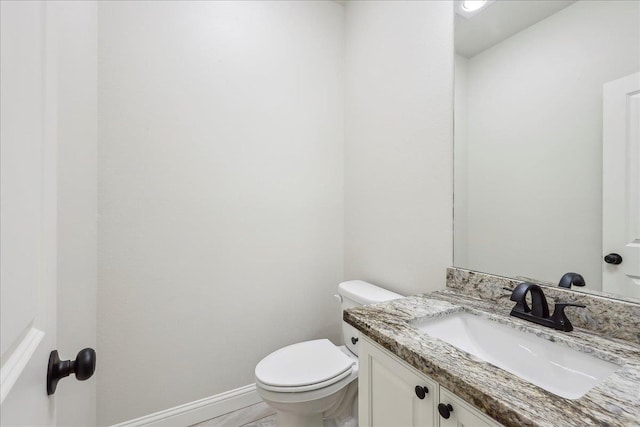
(305, 363)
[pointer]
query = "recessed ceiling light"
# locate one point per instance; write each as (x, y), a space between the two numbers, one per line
(473, 5)
(469, 8)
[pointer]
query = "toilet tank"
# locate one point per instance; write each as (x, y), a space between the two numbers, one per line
(355, 293)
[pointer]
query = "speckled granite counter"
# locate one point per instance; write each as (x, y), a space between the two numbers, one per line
(501, 395)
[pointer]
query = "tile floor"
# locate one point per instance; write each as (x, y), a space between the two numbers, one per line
(258, 415)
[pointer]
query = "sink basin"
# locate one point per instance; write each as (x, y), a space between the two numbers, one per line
(554, 367)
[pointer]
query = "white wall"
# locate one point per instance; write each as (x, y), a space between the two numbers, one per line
(220, 236)
(460, 168)
(398, 149)
(535, 126)
(77, 26)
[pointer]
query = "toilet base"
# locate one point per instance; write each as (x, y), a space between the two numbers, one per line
(339, 409)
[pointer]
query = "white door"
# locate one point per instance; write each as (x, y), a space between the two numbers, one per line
(28, 214)
(621, 187)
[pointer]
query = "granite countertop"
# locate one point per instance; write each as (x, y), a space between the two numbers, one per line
(498, 393)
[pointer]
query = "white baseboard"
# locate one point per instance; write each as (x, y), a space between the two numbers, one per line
(200, 410)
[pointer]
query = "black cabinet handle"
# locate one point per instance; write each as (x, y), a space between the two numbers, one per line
(354, 340)
(445, 410)
(421, 391)
(613, 259)
(83, 367)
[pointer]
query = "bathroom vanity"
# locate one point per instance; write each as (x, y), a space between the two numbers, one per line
(398, 394)
(409, 377)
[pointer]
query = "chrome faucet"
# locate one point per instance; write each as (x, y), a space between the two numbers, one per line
(539, 310)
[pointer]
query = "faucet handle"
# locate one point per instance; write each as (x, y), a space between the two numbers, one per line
(559, 316)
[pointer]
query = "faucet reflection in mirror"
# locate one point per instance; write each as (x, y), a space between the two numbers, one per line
(571, 279)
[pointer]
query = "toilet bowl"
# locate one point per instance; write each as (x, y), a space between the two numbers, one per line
(307, 382)
(314, 383)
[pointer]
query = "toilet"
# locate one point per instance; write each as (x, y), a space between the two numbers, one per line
(315, 383)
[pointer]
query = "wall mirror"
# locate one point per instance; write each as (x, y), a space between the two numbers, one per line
(547, 136)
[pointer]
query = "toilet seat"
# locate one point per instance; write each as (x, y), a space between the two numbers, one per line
(305, 366)
(309, 387)
(306, 396)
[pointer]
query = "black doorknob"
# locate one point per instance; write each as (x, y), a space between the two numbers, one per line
(421, 391)
(354, 340)
(83, 367)
(613, 258)
(445, 410)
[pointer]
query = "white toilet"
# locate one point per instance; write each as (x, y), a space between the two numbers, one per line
(314, 383)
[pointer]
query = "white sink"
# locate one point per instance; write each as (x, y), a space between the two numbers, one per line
(554, 367)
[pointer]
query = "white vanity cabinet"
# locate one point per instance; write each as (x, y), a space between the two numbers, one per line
(387, 391)
(390, 395)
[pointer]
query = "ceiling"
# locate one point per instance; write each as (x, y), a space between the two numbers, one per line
(499, 21)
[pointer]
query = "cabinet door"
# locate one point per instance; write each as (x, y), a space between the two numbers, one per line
(387, 391)
(463, 414)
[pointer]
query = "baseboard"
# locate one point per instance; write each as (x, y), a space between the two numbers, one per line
(199, 410)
